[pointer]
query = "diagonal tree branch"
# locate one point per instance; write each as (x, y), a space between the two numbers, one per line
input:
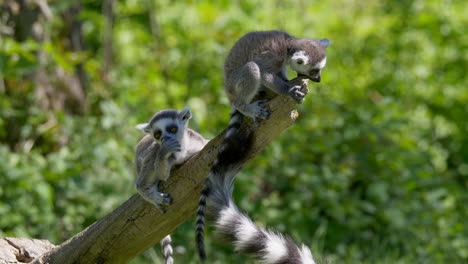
(137, 225)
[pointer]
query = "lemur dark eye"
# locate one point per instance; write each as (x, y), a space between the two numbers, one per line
(299, 61)
(172, 129)
(157, 134)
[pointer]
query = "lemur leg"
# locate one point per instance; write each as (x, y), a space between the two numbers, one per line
(149, 179)
(245, 83)
(257, 109)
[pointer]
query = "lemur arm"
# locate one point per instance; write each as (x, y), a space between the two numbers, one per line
(152, 169)
(163, 165)
(271, 71)
(274, 82)
(156, 167)
(272, 77)
(147, 174)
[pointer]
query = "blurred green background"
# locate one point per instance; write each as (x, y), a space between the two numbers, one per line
(375, 170)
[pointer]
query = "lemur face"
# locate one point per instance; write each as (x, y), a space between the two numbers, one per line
(310, 59)
(302, 64)
(165, 129)
(167, 124)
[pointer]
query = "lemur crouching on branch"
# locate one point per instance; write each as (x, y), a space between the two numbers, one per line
(168, 142)
(257, 61)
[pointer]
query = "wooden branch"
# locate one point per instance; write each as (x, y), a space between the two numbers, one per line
(137, 225)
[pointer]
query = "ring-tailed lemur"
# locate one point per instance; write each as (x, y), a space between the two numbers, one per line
(260, 59)
(168, 142)
(257, 60)
(236, 227)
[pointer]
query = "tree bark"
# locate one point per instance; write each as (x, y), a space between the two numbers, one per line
(137, 225)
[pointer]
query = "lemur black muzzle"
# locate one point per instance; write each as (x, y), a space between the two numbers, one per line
(314, 79)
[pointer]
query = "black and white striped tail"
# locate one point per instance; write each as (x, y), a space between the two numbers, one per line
(248, 238)
(166, 248)
(222, 164)
(267, 246)
(201, 221)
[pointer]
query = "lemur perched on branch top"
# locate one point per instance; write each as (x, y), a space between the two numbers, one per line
(168, 142)
(258, 60)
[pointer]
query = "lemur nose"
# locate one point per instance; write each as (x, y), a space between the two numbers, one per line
(316, 79)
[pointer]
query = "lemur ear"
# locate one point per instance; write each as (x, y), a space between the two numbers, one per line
(185, 114)
(324, 42)
(143, 127)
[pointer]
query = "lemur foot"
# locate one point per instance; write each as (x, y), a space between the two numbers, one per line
(296, 93)
(259, 109)
(165, 199)
(159, 198)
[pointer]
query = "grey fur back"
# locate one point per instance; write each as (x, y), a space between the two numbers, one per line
(270, 45)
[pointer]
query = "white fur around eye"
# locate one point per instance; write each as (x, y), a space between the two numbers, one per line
(300, 55)
(321, 64)
(162, 124)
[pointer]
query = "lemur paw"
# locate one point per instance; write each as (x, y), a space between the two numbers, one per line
(159, 199)
(165, 199)
(296, 93)
(260, 109)
(172, 145)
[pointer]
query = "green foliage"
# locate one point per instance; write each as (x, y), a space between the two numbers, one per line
(374, 171)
